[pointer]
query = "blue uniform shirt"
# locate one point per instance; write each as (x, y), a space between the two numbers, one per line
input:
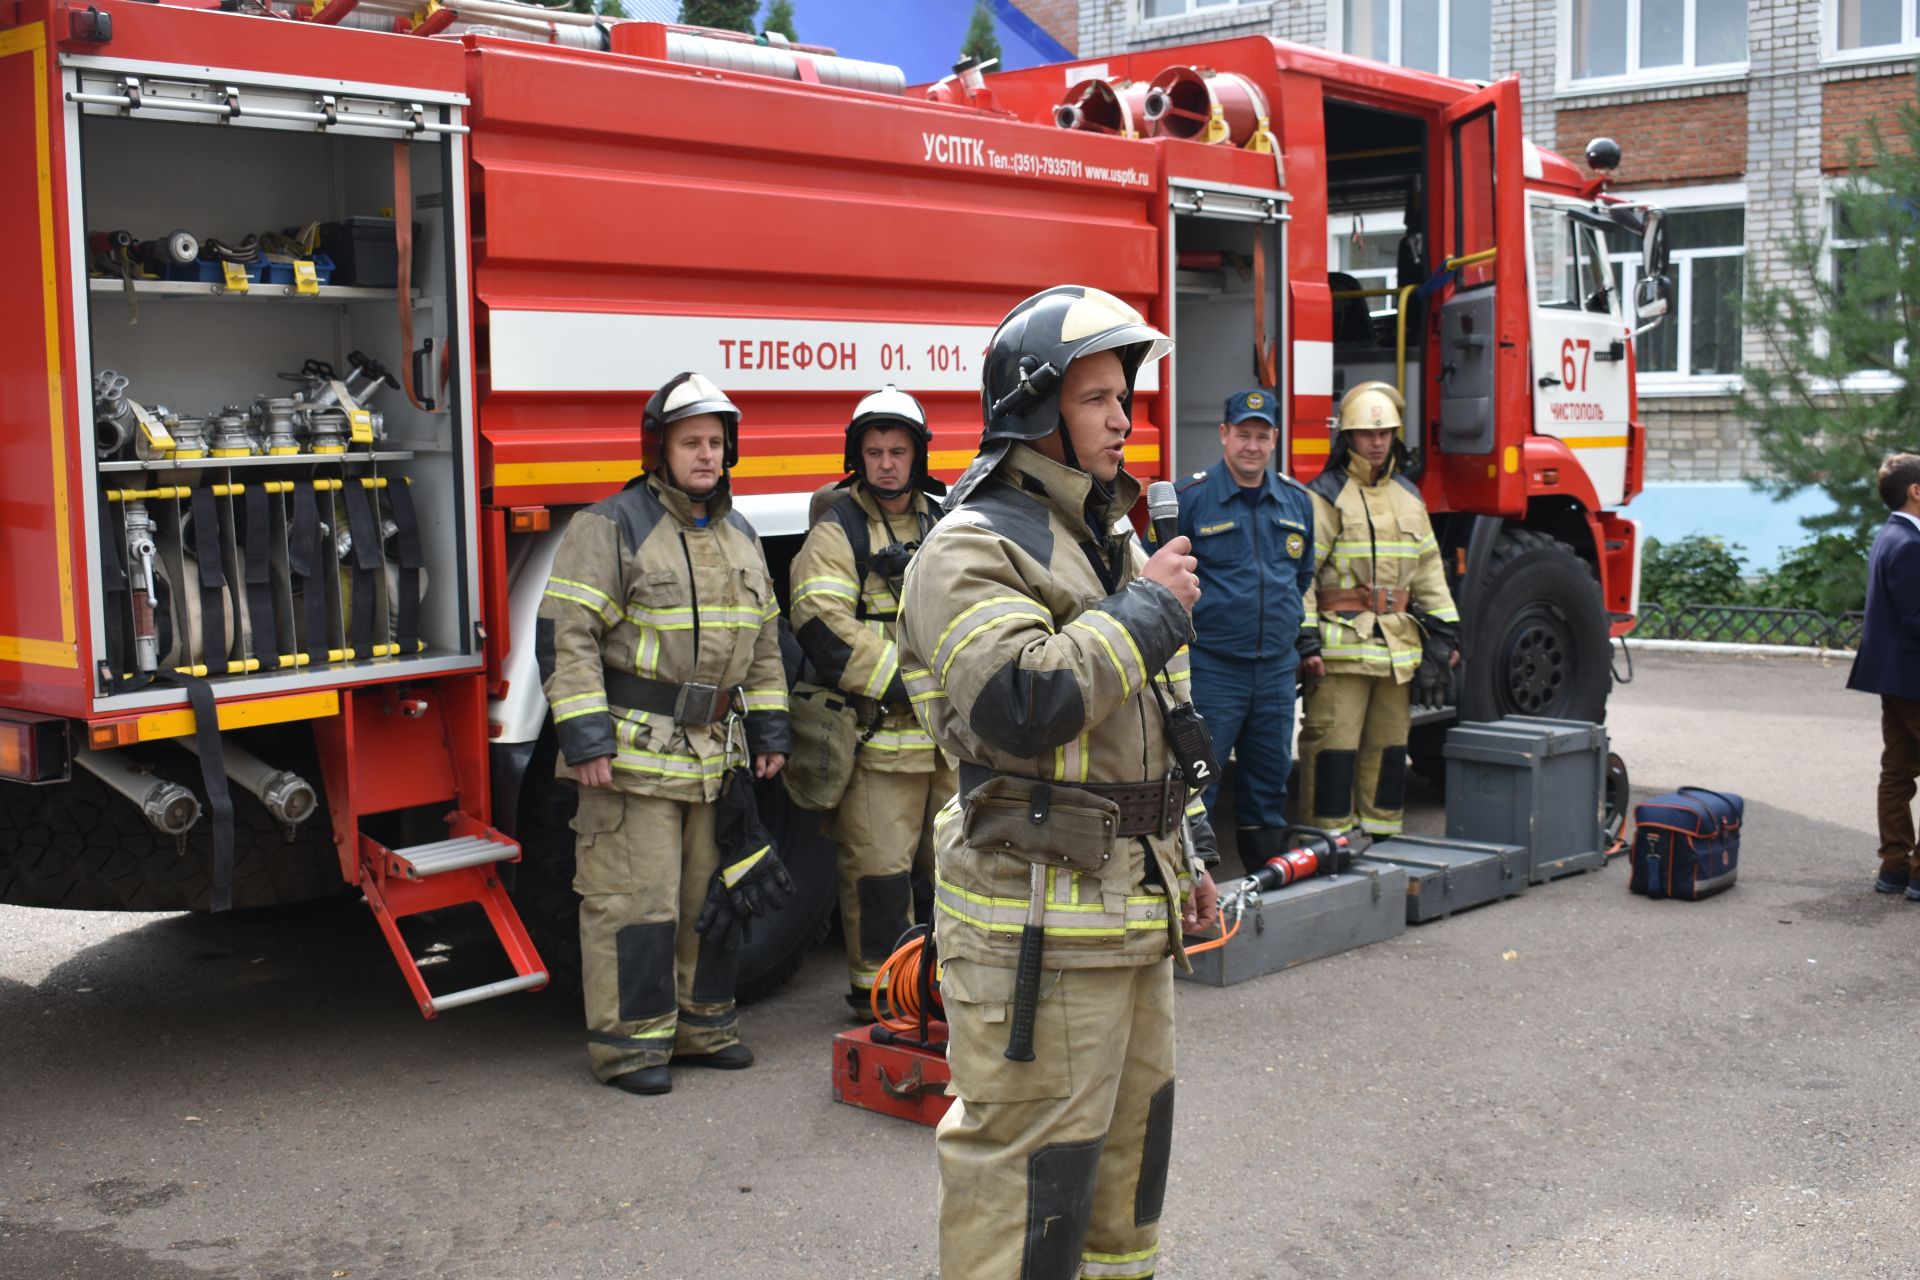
(1255, 548)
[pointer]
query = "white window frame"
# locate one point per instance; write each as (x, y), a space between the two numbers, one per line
(1868, 380)
(1832, 54)
(1337, 35)
(1565, 85)
(1725, 195)
(1195, 10)
(1373, 222)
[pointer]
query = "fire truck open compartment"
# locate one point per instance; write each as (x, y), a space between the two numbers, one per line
(1376, 201)
(1228, 282)
(217, 363)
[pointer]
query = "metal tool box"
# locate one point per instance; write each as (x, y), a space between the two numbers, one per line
(892, 1075)
(1322, 915)
(1445, 876)
(1533, 782)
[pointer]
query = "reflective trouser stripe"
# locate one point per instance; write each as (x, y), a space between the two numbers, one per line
(1060, 919)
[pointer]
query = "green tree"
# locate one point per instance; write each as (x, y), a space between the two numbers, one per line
(728, 15)
(1847, 303)
(981, 42)
(779, 18)
(1827, 573)
(605, 8)
(1696, 569)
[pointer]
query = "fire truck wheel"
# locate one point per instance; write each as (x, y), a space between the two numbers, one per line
(543, 882)
(80, 846)
(1537, 645)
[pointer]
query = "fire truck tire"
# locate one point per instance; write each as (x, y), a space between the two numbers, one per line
(1537, 645)
(543, 882)
(79, 846)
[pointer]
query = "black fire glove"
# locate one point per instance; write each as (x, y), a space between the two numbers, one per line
(751, 881)
(1307, 645)
(1433, 684)
(890, 562)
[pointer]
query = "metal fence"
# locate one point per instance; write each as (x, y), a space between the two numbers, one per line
(1747, 624)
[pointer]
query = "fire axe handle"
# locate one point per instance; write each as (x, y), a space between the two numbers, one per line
(1026, 973)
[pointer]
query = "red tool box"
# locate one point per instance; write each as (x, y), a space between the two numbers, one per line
(892, 1074)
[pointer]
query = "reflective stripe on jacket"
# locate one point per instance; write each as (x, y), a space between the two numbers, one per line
(860, 655)
(1022, 659)
(637, 586)
(1374, 534)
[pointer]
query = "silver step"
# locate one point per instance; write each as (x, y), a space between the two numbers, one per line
(473, 995)
(451, 855)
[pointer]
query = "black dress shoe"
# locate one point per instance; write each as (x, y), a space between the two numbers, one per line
(647, 1080)
(1893, 882)
(735, 1057)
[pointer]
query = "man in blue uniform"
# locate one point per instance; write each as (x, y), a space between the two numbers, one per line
(1252, 531)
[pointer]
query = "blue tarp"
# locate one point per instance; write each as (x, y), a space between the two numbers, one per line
(921, 37)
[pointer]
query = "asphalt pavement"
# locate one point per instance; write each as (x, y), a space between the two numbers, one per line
(1573, 1083)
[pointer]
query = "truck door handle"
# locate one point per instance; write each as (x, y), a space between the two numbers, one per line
(1616, 350)
(1549, 381)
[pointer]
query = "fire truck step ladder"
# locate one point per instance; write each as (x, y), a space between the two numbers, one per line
(462, 869)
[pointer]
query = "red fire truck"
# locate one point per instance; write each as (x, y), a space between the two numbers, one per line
(326, 319)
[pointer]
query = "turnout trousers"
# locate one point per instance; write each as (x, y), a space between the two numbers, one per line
(653, 986)
(1056, 1168)
(1248, 706)
(1899, 766)
(885, 828)
(1353, 753)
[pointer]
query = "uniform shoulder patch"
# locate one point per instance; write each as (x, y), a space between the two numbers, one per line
(1290, 480)
(1190, 482)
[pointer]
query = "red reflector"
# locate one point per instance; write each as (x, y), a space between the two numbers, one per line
(33, 748)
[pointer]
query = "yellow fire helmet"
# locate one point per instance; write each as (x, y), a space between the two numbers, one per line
(1372, 406)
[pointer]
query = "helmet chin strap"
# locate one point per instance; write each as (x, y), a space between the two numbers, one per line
(888, 494)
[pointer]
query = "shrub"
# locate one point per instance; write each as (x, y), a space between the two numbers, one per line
(1827, 574)
(1696, 569)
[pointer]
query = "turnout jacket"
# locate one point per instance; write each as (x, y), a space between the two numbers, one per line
(638, 587)
(849, 628)
(1373, 531)
(1022, 658)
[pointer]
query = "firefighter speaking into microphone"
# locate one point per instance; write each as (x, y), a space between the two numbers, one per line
(659, 645)
(1037, 642)
(846, 586)
(1388, 629)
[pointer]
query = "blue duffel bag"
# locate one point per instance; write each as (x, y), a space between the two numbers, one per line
(1686, 844)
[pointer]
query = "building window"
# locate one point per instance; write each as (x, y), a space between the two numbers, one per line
(1700, 336)
(1870, 26)
(1621, 39)
(1181, 8)
(1862, 262)
(1448, 37)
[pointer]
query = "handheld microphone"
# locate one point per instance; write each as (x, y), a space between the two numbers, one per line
(1163, 509)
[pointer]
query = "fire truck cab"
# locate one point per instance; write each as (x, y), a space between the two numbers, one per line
(329, 317)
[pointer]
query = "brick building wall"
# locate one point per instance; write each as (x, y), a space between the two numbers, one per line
(1524, 44)
(1705, 142)
(1060, 18)
(1849, 108)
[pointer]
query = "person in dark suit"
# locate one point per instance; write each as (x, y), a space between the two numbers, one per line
(1889, 664)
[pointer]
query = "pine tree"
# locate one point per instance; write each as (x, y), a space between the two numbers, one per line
(981, 42)
(1844, 310)
(728, 15)
(780, 18)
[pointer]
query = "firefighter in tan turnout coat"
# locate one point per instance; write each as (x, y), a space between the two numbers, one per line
(1039, 644)
(845, 591)
(658, 642)
(1387, 622)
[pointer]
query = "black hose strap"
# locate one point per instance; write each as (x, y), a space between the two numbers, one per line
(213, 773)
(308, 565)
(366, 563)
(213, 580)
(114, 588)
(407, 539)
(265, 628)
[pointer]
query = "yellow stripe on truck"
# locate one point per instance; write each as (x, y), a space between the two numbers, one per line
(510, 475)
(243, 715)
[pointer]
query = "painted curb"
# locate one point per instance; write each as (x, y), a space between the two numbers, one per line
(1723, 647)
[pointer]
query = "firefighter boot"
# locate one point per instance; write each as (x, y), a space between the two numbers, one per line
(647, 1080)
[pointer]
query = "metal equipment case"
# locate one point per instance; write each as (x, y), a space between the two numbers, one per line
(1537, 783)
(1308, 920)
(1445, 876)
(894, 1078)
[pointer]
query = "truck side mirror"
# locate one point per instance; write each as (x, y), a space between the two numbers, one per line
(1652, 297)
(1653, 243)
